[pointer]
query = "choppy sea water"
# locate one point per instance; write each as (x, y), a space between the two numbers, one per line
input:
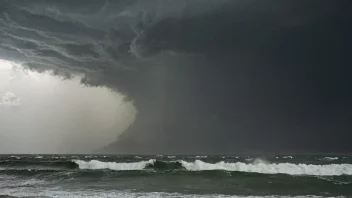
(175, 176)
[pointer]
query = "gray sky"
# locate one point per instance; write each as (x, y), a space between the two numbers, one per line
(206, 76)
(40, 113)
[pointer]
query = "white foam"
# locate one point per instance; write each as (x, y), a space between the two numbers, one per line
(287, 157)
(121, 194)
(12, 182)
(260, 161)
(202, 156)
(171, 157)
(58, 157)
(16, 157)
(335, 181)
(38, 157)
(266, 168)
(95, 164)
(330, 158)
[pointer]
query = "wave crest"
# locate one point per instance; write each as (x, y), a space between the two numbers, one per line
(95, 164)
(330, 158)
(264, 168)
(198, 165)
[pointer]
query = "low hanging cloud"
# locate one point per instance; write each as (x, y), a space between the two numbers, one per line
(191, 81)
(10, 99)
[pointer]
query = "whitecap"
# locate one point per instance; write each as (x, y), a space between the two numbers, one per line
(267, 168)
(95, 164)
(204, 156)
(330, 158)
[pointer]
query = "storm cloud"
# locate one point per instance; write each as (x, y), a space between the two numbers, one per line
(205, 76)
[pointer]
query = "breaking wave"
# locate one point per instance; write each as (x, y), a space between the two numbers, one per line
(330, 158)
(202, 156)
(264, 168)
(254, 166)
(95, 164)
(198, 165)
(43, 177)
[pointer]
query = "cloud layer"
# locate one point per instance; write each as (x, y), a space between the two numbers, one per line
(212, 76)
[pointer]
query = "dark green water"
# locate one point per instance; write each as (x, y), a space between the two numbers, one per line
(175, 176)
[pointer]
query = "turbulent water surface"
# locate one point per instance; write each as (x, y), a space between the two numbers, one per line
(175, 176)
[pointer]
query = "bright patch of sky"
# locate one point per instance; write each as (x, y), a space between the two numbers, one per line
(40, 112)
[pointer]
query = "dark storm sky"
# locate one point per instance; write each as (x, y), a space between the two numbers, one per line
(205, 76)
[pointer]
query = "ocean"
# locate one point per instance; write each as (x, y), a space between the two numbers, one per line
(175, 176)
